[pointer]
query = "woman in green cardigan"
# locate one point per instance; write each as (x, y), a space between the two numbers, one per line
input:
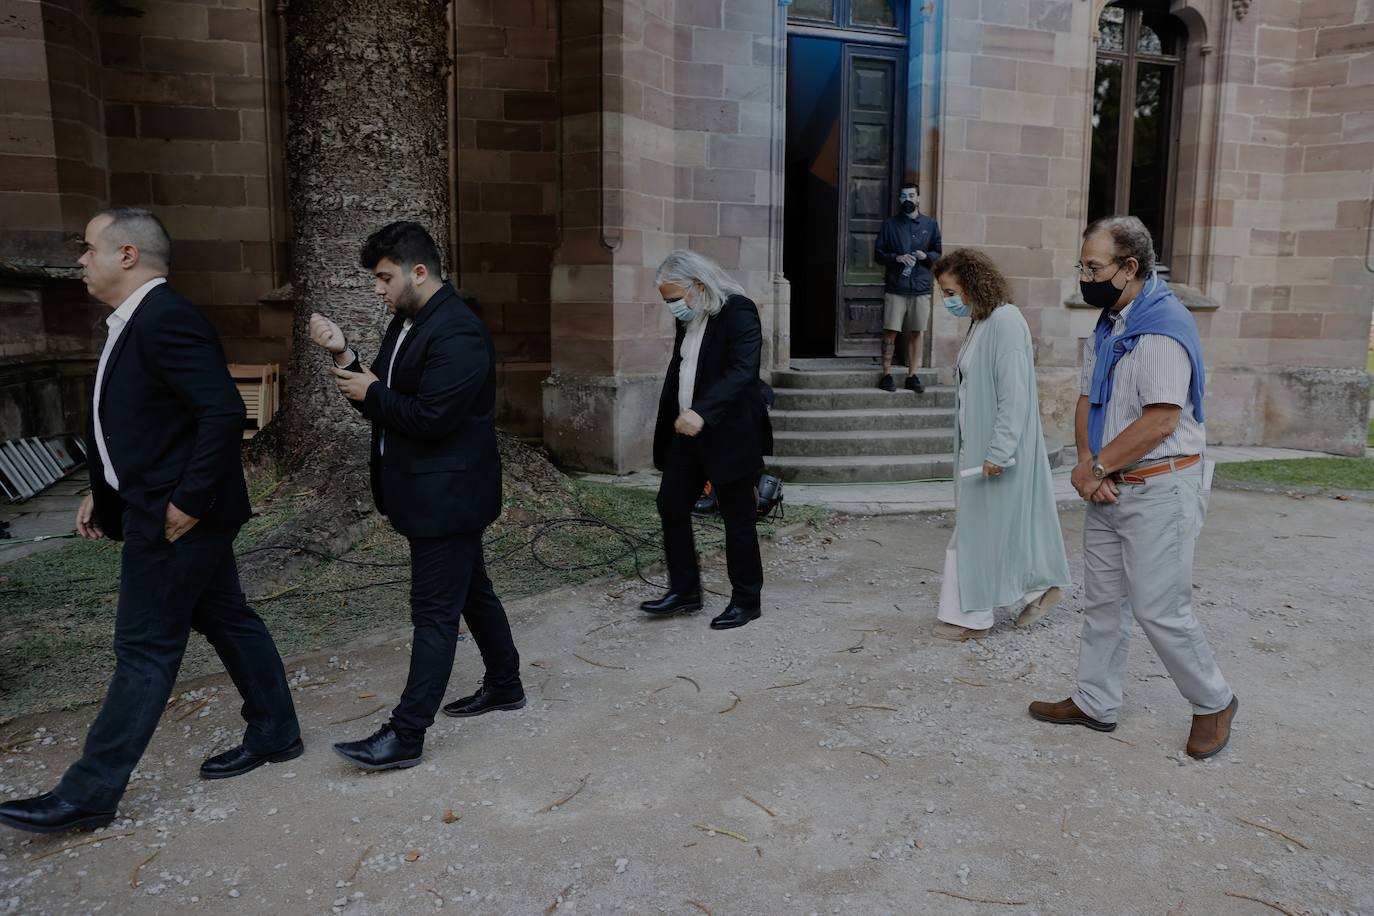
(1007, 550)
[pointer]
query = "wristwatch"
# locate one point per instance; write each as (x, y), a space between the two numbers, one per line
(1099, 471)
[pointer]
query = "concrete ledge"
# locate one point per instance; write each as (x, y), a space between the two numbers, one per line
(601, 423)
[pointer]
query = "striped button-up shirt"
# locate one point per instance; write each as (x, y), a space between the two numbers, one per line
(1157, 371)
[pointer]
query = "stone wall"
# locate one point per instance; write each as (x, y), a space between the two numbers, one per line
(506, 123)
(1272, 206)
(671, 125)
(194, 133)
(52, 150)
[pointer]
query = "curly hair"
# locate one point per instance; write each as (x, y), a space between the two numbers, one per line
(983, 284)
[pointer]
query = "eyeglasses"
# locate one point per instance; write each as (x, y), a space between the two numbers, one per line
(1090, 272)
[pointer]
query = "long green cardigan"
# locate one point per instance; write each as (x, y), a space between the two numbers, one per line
(1008, 537)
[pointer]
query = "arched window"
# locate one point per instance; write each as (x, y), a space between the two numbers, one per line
(1135, 110)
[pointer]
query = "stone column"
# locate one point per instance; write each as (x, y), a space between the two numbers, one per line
(669, 138)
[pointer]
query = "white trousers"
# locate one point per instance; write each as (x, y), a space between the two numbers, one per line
(951, 611)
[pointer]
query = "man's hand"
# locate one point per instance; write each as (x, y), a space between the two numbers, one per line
(177, 523)
(353, 385)
(908, 259)
(1107, 493)
(991, 470)
(1086, 484)
(326, 334)
(86, 525)
(921, 255)
(689, 423)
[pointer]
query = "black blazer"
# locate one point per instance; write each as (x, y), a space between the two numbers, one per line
(173, 423)
(441, 472)
(728, 394)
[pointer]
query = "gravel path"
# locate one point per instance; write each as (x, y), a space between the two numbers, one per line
(830, 758)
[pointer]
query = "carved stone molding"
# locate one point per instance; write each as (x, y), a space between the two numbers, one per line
(1240, 8)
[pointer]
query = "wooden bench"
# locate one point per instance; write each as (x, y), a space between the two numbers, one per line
(257, 384)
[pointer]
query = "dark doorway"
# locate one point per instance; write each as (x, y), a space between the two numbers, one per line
(811, 203)
(846, 89)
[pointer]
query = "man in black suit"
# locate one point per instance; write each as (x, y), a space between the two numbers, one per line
(167, 479)
(712, 425)
(436, 474)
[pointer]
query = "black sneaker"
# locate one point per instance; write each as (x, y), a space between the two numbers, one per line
(887, 384)
(913, 383)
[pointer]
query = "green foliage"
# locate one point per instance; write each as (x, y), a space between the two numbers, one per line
(1327, 473)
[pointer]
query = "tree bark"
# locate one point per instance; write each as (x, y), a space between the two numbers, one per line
(366, 144)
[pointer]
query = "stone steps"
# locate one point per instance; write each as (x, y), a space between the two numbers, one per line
(862, 468)
(847, 378)
(870, 398)
(837, 444)
(832, 424)
(862, 420)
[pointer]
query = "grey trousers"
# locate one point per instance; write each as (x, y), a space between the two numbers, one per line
(1138, 562)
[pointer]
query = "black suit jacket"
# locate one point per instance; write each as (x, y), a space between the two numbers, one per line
(173, 423)
(441, 472)
(728, 395)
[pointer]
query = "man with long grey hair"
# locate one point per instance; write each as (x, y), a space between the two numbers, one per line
(712, 426)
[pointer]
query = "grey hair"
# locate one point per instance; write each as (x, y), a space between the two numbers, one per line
(684, 267)
(1130, 238)
(142, 229)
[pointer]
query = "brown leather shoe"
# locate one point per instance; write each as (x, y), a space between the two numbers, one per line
(1066, 713)
(1211, 732)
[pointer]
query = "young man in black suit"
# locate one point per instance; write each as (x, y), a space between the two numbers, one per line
(167, 479)
(436, 474)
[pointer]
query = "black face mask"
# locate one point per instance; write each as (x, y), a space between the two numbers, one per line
(1101, 294)
(908, 207)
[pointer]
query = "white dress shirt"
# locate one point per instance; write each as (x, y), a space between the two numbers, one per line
(687, 372)
(116, 323)
(1157, 371)
(405, 329)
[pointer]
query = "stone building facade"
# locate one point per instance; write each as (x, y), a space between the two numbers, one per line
(591, 137)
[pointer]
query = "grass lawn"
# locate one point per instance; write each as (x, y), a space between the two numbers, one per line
(57, 608)
(1329, 473)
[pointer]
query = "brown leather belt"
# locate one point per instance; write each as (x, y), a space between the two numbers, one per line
(1141, 474)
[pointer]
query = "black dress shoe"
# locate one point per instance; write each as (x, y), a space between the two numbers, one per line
(385, 750)
(735, 616)
(886, 383)
(673, 603)
(913, 383)
(240, 760)
(485, 700)
(47, 813)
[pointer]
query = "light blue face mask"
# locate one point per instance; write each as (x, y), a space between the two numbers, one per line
(680, 309)
(958, 307)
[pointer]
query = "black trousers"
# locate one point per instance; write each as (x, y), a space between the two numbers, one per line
(165, 592)
(684, 476)
(449, 582)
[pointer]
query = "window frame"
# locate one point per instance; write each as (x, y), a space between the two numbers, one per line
(841, 20)
(1128, 58)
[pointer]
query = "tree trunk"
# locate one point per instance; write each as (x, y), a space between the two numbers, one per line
(366, 145)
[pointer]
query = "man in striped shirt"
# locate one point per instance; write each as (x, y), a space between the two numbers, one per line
(1140, 436)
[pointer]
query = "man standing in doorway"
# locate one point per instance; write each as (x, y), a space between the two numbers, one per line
(907, 245)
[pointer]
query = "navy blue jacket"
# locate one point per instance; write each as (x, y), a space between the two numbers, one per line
(441, 472)
(173, 424)
(903, 235)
